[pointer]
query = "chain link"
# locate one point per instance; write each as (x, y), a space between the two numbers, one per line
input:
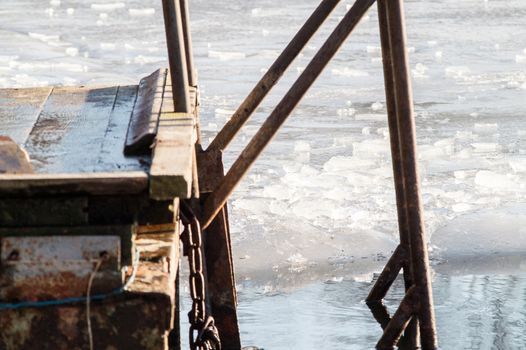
(203, 333)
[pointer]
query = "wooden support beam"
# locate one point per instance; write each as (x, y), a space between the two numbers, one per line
(133, 182)
(171, 172)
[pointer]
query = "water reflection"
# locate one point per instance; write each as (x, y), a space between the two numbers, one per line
(473, 312)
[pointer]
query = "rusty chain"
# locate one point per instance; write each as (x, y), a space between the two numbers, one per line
(203, 333)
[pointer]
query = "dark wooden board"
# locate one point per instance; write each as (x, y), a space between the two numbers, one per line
(19, 110)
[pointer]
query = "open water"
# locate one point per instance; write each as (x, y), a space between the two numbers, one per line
(315, 219)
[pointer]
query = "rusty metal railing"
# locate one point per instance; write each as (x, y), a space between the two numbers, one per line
(282, 111)
(178, 41)
(415, 314)
(416, 309)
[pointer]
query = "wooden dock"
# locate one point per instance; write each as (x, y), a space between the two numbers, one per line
(79, 198)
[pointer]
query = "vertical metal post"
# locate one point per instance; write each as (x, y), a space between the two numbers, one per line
(403, 224)
(185, 15)
(176, 55)
(407, 140)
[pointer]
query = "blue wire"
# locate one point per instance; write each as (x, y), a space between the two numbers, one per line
(45, 303)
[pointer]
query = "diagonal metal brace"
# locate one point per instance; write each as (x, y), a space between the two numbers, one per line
(218, 198)
(272, 76)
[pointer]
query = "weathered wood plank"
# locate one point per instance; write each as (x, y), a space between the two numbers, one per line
(145, 116)
(135, 182)
(19, 110)
(173, 158)
(171, 173)
(69, 132)
(111, 157)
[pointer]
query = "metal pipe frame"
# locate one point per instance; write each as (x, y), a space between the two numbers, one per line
(410, 212)
(185, 16)
(177, 53)
(409, 162)
(218, 198)
(272, 76)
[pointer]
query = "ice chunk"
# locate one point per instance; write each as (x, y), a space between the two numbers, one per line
(349, 72)
(72, 51)
(301, 146)
(108, 6)
(141, 12)
(345, 112)
(44, 37)
(518, 164)
(484, 147)
(341, 164)
(485, 128)
(223, 113)
(368, 148)
(490, 179)
(107, 46)
(461, 207)
(420, 71)
(376, 106)
(147, 59)
(371, 117)
(226, 56)
(374, 49)
(457, 72)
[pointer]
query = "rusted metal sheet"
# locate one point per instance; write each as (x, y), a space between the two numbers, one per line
(13, 159)
(145, 116)
(54, 267)
(125, 232)
(140, 318)
(135, 322)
